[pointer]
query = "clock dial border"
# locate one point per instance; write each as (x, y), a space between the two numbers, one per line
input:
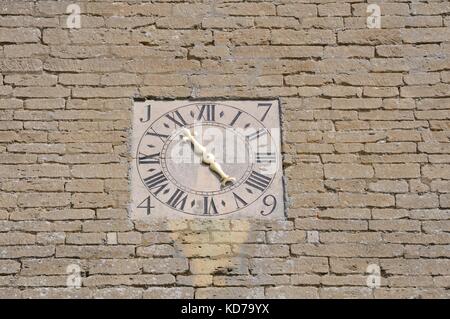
(265, 192)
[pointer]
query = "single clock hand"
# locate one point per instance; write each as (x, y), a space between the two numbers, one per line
(207, 158)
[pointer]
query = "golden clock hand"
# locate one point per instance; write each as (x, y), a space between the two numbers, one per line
(224, 178)
(207, 158)
(198, 148)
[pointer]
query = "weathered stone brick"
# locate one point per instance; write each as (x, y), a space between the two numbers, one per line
(107, 226)
(165, 265)
(444, 201)
(395, 171)
(362, 200)
(41, 92)
(370, 36)
(158, 251)
(114, 266)
(302, 171)
(415, 266)
(415, 91)
(322, 22)
(169, 293)
(195, 280)
(323, 224)
(394, 147)
(345, 213)
(297, 10)
(425, 35)
(389, 186)
(227, 23)
(129, 237)
(85, 239)
(205, 250)
(20, 65)
(261, 250)
(218, 266)
(394, 225)
(435, 226)
(436, 171)
(19, 35)
(14, 252)
(347, 171)
(88, 186)
(434, 147)
(92, 200)
(334, 9)
(276, 22)
(346, 292)
(119, 293)
(314, 200)
(237, 237)
(292, 37)
(246, 9)
(9, 267)
(43, 199)
(229, 293)
(94, 252)
(45, 104)
(99, 171)
(31, 80)
(277, 51)
(366, 148)
(417, 201)
(297, 265)
(286, 237)
(128, 280)
(350, 265)
(348, 250)
(440, 186)
(345, 237)
(79, 79)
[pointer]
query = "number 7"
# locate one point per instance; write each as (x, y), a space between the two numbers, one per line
(268, 105)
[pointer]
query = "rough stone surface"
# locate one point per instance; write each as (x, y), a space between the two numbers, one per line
(366, 121)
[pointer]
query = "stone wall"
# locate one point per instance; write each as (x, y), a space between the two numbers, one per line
(366, 119)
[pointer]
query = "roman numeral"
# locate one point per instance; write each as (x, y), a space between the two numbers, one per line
(180, 121)
(157, 180)
(149, 159)
(238, 200)
(177, 199)
(208, 206)
(207, 113)
(235, 118)
(266, 157)
(257, 134)
(161, 136)
(258, 181)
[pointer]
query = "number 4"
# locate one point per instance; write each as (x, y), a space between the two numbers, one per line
(146, 204)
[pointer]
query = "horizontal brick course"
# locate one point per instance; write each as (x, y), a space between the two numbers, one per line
(365, 117)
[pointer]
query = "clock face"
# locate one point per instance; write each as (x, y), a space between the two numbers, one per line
(206, 160)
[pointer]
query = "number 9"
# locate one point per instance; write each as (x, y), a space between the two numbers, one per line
(272, 202)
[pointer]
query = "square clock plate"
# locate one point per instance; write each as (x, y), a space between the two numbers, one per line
(206, 159)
